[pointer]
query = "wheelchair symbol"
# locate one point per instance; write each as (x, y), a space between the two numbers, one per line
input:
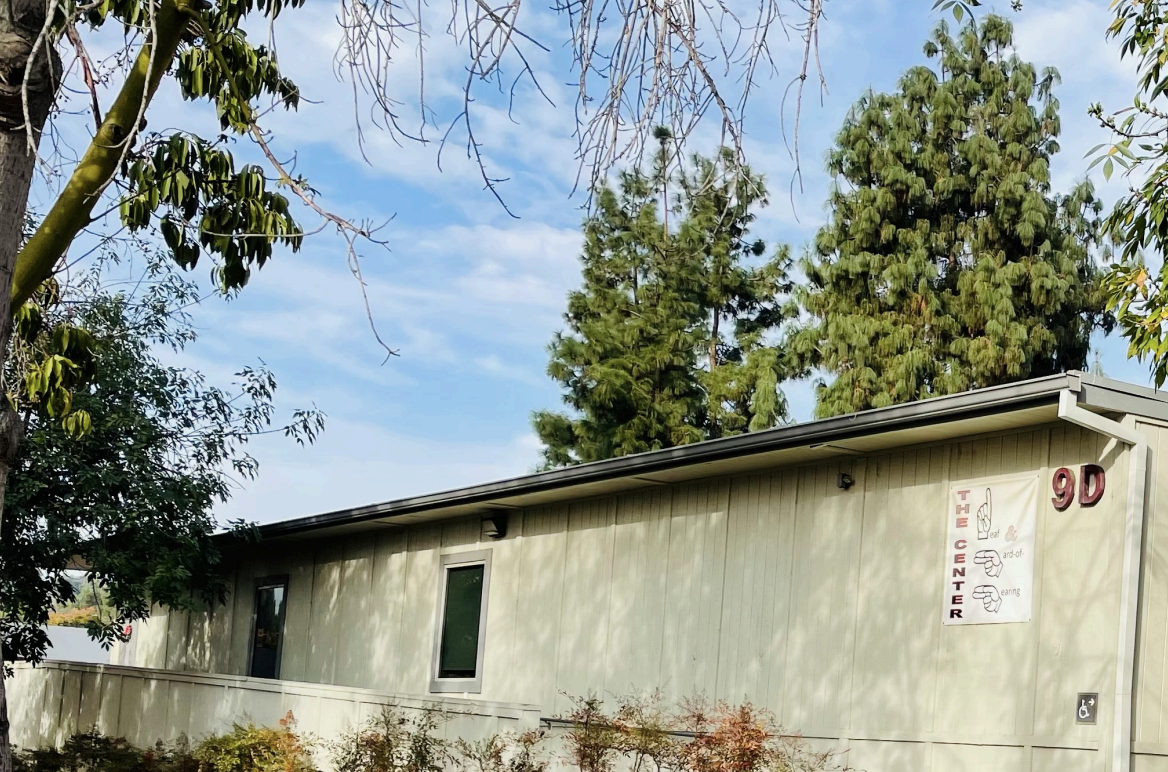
(1085, 714)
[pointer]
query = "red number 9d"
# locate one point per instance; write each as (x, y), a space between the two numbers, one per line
(1063, 484)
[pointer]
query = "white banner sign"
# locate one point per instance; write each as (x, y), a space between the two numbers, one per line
(989, 566)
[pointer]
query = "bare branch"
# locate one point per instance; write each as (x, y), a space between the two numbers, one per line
(42, 40)
(659, 62)
(810, 35)
(348, 230)
(86, 70)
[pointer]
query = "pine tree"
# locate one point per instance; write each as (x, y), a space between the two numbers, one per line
(948, 263)
(743, 301)
(627, 366)
(668, 340)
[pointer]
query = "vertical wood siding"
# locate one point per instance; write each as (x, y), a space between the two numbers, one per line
(821, 604)
(1150, 727)
(145, 707)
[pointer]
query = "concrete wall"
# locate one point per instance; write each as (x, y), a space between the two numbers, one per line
(821, 604)
(54, 700)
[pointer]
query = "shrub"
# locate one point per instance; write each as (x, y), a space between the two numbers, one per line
(501, 753)
(644, 728)
(728, 738)
(372, 748)
(525, 756)
(93, 752)
(393, 742)
(243, 749)
(486, 755)
(256, 749)
(698, 737)
(593, 739)
(642, 734)
(73, 617)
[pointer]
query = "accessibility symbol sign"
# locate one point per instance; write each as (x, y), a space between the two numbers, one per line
(1086, 707)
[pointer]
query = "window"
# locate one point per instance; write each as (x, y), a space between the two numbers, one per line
(462, 615)
(267, 640)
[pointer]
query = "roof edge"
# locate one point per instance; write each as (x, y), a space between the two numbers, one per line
(1092, 391)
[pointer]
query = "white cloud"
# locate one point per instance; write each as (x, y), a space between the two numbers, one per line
(441, 296)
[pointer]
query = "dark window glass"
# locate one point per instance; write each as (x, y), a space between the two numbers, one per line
(459, 655)
(269, 631)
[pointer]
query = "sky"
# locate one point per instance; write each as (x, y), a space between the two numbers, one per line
(469, 294)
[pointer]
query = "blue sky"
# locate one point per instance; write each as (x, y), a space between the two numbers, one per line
(470, 296)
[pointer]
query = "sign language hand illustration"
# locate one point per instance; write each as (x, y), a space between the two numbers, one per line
(985, 518)
(989, 597)
(990, 560)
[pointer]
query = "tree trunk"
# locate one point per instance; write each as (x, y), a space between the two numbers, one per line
(74, 205)
(10, 430)
(28, 86)
(21, 22)
(714, 340)
(665, 208)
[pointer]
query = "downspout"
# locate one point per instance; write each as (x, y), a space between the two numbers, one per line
(1129, 593)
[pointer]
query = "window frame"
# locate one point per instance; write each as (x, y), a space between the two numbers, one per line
(263, 583)
(446, 562)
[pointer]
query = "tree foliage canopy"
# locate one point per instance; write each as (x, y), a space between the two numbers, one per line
(130, 500)
(1139, 222)
(948, 263)
(668, 337)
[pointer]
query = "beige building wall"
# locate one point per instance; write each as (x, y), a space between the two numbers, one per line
(823, 605)
(57, 699)
(1150, 721)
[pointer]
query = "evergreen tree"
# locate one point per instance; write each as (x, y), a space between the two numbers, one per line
(627, 368)
(948, 263)
(668, 336)
(743, 301)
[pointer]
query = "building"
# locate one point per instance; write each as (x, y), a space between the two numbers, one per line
(974, 582)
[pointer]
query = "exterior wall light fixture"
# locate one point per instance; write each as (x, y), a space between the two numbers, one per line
(495, 526)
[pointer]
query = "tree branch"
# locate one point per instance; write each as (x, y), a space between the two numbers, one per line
(70, 212)
(348, 230)
(86, 71)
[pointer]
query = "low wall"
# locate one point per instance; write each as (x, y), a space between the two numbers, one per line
(54, 700)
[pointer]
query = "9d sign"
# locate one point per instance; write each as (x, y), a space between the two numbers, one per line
(1092, 483)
